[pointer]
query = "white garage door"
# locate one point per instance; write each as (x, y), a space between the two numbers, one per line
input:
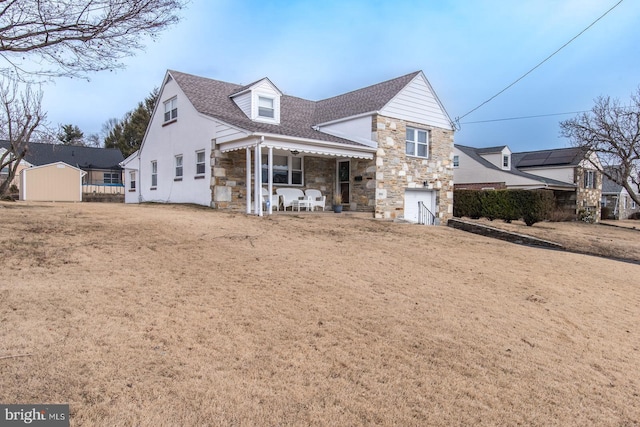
(411, 199)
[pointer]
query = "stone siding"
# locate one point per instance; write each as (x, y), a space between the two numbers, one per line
(395, 171)
(588, 198)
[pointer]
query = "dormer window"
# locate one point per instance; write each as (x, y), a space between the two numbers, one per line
(505, 161)
(265, 107)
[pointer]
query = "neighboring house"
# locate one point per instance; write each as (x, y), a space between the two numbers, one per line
(53, 182)
(102, 165)
(576, 183)
(385, 147)
(617, 200)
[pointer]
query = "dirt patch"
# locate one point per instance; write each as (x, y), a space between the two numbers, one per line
(173, 315)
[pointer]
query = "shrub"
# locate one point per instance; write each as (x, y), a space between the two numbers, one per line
(530, 205)
(605, 212)
(467, 203)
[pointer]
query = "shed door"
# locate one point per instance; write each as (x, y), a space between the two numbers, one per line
(411, 199)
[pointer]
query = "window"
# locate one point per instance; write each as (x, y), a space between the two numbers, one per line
(456, 161)
(200, 163)
(589, 179)
(633, 204)
(171, 109)
(111, 178)
(286, 170)
(417, 142)
(505, 161)
(154, 173)
(179, 166)
(265, 107)
(132, 180)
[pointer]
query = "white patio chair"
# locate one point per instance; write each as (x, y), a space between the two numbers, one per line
(316, 198)
(275, 199)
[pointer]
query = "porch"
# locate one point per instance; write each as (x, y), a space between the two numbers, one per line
(349, 171)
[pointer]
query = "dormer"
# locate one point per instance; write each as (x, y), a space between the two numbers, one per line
(259, 101)
(498, 156)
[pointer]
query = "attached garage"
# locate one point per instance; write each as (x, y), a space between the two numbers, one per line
(53, 182)
(413, 197)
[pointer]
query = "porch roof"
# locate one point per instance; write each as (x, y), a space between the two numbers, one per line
(308, 146)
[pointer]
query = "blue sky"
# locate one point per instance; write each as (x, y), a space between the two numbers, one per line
(469, 50)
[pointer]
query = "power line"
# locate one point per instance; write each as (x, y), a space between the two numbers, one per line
(525, 117)
(457, 120)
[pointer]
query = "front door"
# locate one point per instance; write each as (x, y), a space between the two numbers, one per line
(344, 172)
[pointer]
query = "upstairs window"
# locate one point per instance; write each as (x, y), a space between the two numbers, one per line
(505, 161)
(417, 143)
(265, 107)
(456, 161)
(171, 109)
(589, 179)
(200, 163)
(179, 166)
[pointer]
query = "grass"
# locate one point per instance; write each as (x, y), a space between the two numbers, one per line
(171, 315)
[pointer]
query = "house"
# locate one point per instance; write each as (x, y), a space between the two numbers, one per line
(102, 165)
(616, 202)
(384, 148)
(52, 182)
(575, 181)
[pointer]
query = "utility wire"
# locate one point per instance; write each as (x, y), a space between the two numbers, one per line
(524, 117)
(457, 120)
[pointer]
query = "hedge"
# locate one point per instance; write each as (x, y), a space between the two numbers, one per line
(529, 205)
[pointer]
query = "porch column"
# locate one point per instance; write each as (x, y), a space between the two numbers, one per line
(270, 179)
(258, 180)
(248, 167)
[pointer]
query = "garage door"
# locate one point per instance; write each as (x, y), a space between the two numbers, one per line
(412, 197)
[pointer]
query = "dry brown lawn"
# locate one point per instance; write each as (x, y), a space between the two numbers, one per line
(182, 316)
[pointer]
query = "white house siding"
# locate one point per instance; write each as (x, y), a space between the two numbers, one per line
(243, 102)
(358, 128)
(191, 132)
(564, 174)
(417, 103)
(265, 88)
(226, 133)
(470, 171)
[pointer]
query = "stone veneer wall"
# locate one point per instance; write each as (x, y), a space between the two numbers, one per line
(228, 182)
(588, 197)
(395, 171)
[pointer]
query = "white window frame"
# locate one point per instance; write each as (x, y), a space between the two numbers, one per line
(416, 142)
(171, 109)
(201, 164)
(271, 109)
(132, 180)
(290, 170)
(633, 204)
(179, 166)
(589, 179)
(154, 173)
(456, 161)
(505, 161)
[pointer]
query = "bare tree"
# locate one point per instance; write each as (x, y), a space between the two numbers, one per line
(21, 117)
(612, 131)
(73, 37)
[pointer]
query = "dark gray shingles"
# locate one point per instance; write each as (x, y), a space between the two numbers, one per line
(82, 157)
(370, 98)
(212, 98)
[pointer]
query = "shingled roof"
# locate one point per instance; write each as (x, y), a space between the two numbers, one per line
(39, 154)
(298, 116)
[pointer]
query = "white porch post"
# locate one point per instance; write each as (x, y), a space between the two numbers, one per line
(258, 180)
(270, 179)
(248, 166)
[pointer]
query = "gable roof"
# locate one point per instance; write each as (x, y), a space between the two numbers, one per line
(368, 99)
(545, 158)
(82, 157)
(474, 153)
(213, 98)
(298, 117)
